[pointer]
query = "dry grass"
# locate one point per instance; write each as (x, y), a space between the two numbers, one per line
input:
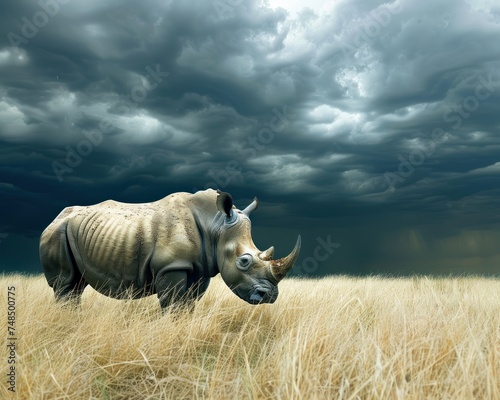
(332, 338)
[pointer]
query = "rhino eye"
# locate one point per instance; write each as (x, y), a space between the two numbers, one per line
(244, 262)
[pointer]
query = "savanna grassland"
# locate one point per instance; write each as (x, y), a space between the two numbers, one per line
(337, 337)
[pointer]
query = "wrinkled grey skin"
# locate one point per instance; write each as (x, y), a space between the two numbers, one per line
(171, 247)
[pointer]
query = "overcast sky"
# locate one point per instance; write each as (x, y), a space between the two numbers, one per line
(370, 128)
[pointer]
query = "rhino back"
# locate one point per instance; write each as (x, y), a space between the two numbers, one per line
(119, 245)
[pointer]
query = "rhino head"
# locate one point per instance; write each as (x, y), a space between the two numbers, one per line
(252, 274)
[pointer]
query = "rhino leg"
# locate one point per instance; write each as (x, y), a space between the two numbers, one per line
(69, 292)
(59, 265)
(171, 288)
(200, 287)
(179, 289)
(68, 284)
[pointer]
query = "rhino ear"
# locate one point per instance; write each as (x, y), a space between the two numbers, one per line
(224, 202)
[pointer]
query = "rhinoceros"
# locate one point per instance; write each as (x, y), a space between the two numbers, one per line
(170, 247)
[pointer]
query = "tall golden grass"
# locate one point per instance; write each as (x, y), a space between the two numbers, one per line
(338, 337)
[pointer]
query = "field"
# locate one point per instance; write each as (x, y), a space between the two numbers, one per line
(337, 337)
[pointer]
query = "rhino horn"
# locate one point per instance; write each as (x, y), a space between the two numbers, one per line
(268, 254)
(279, 268)
(252, 207)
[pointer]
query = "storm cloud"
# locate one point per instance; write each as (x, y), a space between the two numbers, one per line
(370, 128)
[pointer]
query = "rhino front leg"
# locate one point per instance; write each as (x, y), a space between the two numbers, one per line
(172, 289)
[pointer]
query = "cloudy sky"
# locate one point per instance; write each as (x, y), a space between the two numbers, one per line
(370, 128)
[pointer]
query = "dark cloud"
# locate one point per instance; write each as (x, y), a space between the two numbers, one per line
(369, 125)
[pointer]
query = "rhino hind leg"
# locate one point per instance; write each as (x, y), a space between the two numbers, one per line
(70, 292)
(60, 268)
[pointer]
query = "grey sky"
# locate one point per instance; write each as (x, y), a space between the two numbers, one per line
(367, 124)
